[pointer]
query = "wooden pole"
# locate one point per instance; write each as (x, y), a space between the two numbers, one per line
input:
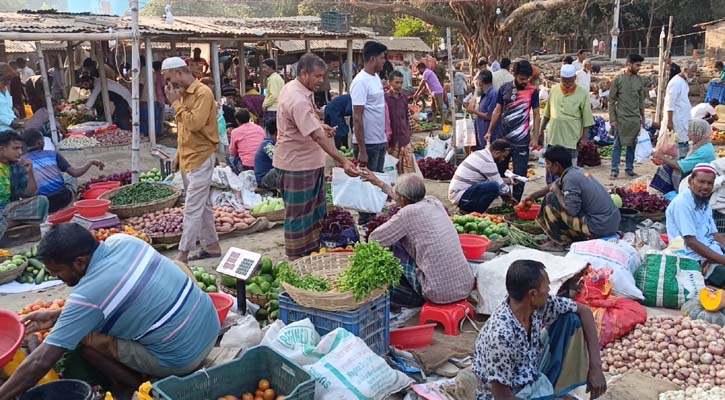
(451, 107)
(349, 64)
(135, 69)
(71, 54)
(150, 93)
(307, 46)
(46, 88)
(215, 70)
(660, 77)
(340, 81)
(104, 83)
(242, 69)
(61, 72)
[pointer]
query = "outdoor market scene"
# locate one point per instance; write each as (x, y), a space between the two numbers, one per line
(395, 199)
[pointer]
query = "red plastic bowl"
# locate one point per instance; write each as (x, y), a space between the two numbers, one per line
(412, 337)
(90, 208)
(108, 184)
(473, 245)
(95, 190)
(222, 303)
(62, 216)
(12, 332)
(530, 214)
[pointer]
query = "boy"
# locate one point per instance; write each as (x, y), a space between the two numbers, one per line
(399, 145)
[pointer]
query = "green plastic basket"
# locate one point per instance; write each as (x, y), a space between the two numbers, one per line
(239, 376)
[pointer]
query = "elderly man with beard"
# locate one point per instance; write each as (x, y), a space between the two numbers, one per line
(689, 216)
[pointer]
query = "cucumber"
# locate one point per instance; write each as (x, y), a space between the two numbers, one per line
(36, 263)
(40, 277)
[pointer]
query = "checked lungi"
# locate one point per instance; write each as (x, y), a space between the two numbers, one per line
(559, 226)
(303, 193)
(30, 210)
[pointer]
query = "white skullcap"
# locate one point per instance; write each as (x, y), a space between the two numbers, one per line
(172, 63)
(568, 71)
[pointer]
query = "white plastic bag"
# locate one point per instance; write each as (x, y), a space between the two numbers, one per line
(644, 149)
(391, 166)
(356, 194)
(245, 333)
(465, 132)
(436, 147)
(297, 341)
(622, 258)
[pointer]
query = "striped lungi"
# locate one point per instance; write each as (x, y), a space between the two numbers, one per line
(30, 210)
(303, 193)
(559, 226)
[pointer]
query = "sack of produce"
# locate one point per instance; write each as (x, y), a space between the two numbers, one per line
(622, 258)
(615, 316)
(668, 280)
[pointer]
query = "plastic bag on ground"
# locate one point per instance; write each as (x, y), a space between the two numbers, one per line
(356, 194)
(465, 132)
(622, 258)
(436, 148)
(244, 334)
(643, 150)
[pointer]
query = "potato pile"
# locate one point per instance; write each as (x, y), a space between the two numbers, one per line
(684, 351)
(227, 219)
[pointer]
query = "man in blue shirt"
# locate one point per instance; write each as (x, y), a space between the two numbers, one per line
(267, 177)
(486, 106)
(132, 312)
(335, 112)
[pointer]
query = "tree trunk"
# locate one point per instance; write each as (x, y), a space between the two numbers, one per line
(649, 28)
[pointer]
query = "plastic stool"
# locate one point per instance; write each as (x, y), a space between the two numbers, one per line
(449, 315)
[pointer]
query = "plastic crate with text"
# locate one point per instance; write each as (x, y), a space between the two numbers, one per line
(371, 322)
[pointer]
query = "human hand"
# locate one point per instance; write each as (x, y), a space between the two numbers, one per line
(330, 131)
(350, 168)
(362, 158)
(370, 176)
(99, 164)
(27, 164)
(171, 94)
(596, 383)
(470, 107)
(40, 320)
(16, 123)
(175, 165)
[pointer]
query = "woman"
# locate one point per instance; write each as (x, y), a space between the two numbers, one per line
(670, 173)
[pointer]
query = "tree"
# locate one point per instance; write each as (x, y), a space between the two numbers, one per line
(482, 28)
(409, 26)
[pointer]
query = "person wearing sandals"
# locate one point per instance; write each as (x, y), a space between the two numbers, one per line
(626, 113)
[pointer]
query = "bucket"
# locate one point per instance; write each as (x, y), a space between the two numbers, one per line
(64, 389)
(628, 223)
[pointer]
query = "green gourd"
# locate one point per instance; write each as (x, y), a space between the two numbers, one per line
(693, 309)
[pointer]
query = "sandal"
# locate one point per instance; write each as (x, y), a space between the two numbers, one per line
(632, 174)
(613, 177)
(202, 255)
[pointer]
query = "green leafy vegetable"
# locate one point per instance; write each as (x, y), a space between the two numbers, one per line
(373, 267)
(306, 282)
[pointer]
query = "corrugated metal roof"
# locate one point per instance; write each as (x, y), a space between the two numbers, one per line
(55, 23)
(20, 47)
(398, 44)
(706, 24)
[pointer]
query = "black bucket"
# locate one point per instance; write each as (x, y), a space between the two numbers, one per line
(64, 389)
(629, 219)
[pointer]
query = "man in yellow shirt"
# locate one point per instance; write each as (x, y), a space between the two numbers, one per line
(274, 87)
(198, 137)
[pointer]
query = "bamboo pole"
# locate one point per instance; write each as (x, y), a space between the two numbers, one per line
(349, 64)
(215, 71)
(135, 131)
(46, 88)
(660, 77)
(150, 93)
(101, 64)
(70, 53)
(242, 68)
(451, 107)
(64, 87)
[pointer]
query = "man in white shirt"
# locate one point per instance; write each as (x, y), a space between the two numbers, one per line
(677, 106)
(584, 76)
(580, 57)
(705, 111)
(502, 75)
(24, 71)
(369, 143)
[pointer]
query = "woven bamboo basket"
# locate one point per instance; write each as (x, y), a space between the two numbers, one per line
(497, 245)
(327, 266)
(13, 274)
(528, 228)
(166, 239)
(137, 210)
(272, 216)
(258, 299)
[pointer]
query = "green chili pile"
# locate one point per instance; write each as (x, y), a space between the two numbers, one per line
(141, 193)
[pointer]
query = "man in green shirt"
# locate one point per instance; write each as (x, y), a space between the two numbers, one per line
(626, 113)
(570, 112)
(274, 87)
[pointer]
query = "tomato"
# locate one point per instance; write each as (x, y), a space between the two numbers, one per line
(247, 396)
(269, 394)
(263, 384)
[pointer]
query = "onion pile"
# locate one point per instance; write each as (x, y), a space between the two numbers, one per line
(684, 351)
(168, 221)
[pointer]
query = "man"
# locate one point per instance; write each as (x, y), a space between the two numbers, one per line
(198, 137)
(399, 143)
(334, 116)
(705, 111)
(502, 75)
(570, 112)
(407, 76)
(121, 108)
(387, 69)
(423, 237)
(159, 83)
(199, 66)
(8, 120)
(677, 106)
(441, 69)
(514, 359)
(266, 176)
(299, 157)
(576, 206)
(429, 81)
(495, 65)
(674, 68)
(48, 169)
(719, 71)
(516, 101)
(369, 143)
(478, 181)
(584, 76)
(132, 312)
(24, 72)
(244, 142)
(274, 86)
(581, 55)
(18, 201)
(488, 97)
(567, 60)
(15, 87)
(460, 85)
(626, 113)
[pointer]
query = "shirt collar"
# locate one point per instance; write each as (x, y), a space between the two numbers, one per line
(193, 87)
(301, 87)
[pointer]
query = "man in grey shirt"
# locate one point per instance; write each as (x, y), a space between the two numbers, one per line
(576, 206)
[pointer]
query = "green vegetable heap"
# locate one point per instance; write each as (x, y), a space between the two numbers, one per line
(305, 282)
(140, 193)
(373, 266)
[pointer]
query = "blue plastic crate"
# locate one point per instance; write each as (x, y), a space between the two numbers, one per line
(716, 90)
(334, 21)
(371, 322)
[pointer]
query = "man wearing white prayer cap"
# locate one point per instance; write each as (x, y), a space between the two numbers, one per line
(570, 113)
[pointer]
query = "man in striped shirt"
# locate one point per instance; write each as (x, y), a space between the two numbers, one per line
(132, 312)
(479, 179)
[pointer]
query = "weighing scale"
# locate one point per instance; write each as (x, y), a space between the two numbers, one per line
(240, 264)
(107, 220)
